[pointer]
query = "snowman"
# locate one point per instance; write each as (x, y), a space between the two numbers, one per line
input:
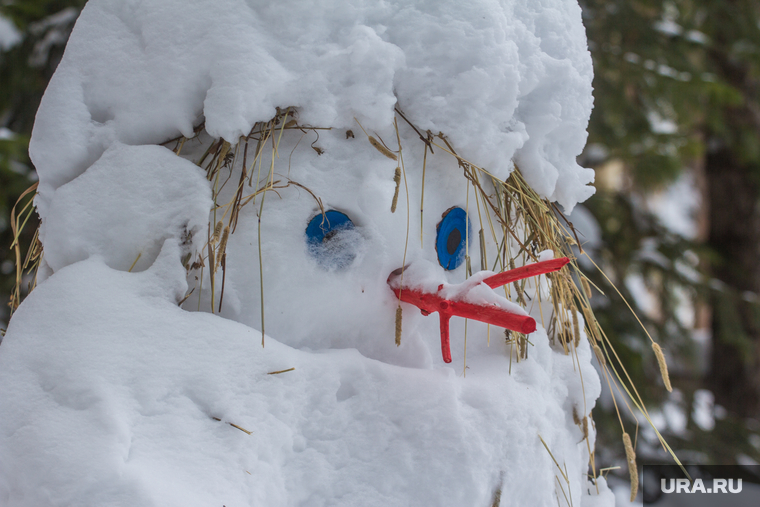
(306, 253)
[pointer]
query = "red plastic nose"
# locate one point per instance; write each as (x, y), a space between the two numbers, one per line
(429, 302)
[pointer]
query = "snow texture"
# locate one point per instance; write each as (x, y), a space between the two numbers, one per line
(116, 390)
(504, 80)
(120, 410)
(162, 195)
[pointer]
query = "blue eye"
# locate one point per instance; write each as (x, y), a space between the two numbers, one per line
(451, 239)
(332, 240)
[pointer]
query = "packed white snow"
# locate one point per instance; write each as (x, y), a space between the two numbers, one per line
(128, 377)
(147, 184)
(505, 80)
(115, 390)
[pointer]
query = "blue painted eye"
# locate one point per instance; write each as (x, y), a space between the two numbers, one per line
(451, 239)
(332, 240)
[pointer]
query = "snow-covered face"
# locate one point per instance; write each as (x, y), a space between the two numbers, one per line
(505, 80)
(325, 283)
(350, 228)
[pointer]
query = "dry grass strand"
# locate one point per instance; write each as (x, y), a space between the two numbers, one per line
(382, 149)
(586, 287)
(281, 371)
(399, 314)
(576, 417)
(217, 232)
(211, 259)
(630, 456)
(599, 355)
(496, 498)
(576, 328)
(222, 247)
(663, 365)
(397, 180)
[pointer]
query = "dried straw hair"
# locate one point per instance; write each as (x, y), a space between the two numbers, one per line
(581, 423)
(211, 262)
(222, 247)
(599, 355)
(398, 325)
(397, 180)
(382, 149)
(586, 287)
(576, 329)
(496, 498)
(630, 455)
(663, 366)
(217, 231)
(588, 317)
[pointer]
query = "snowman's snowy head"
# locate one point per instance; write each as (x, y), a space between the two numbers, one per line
(498, 83)
(377, 105)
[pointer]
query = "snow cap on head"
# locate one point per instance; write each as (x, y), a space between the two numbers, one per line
(506, 80)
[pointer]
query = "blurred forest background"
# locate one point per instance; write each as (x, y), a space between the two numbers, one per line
(675, 222)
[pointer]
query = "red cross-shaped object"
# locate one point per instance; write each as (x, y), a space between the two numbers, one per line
(429, 302)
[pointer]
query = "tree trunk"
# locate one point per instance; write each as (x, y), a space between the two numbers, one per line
(734, 238)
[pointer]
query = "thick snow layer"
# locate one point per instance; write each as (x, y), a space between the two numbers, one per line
(119, 410)
(504, 80)
(117, 388)
(134, 198)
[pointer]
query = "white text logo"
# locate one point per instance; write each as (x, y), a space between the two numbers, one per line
(683, 486)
